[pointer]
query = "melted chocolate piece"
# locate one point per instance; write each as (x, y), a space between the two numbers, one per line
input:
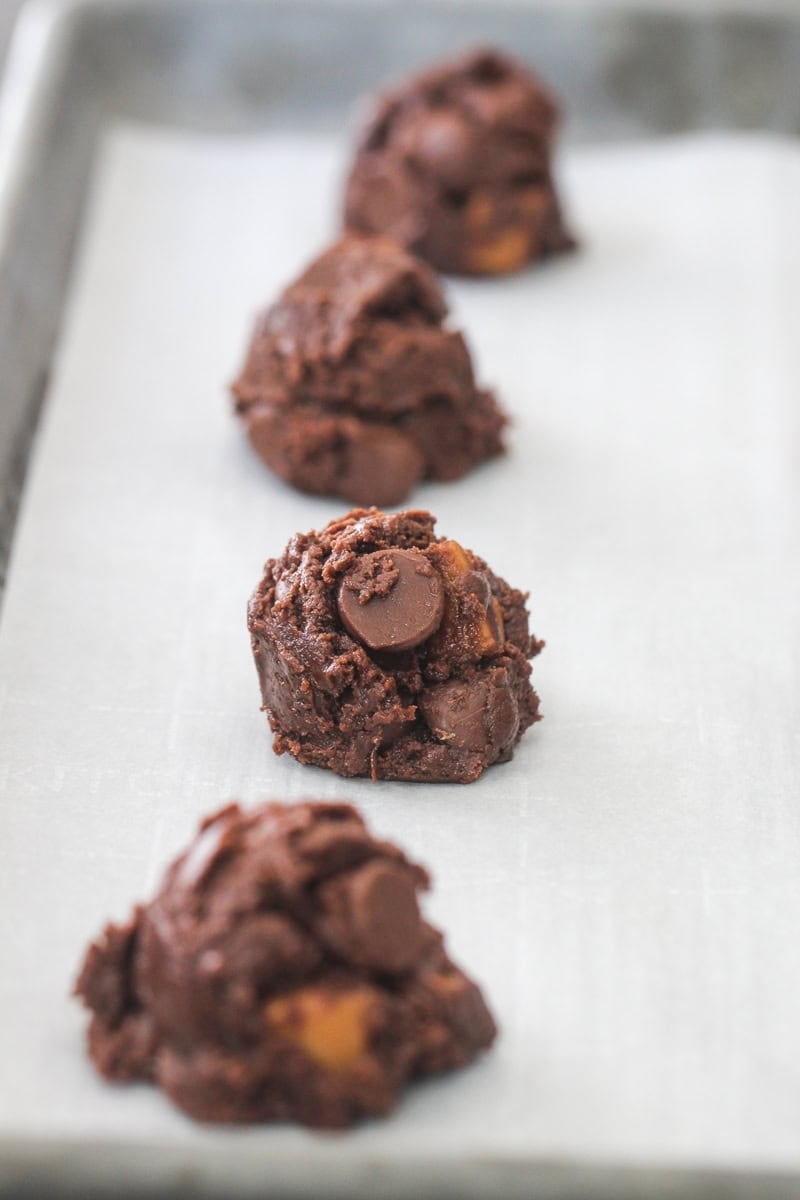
(283, 971)
(455, 164)
(354, 387)
(385, 651)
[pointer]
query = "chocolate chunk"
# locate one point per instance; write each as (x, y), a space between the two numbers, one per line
(456, 165)
(380, 465)
(353, 386)
(391, 653)
(477, 584)
(455, 713)
(282, 972)
(392, 600)
(473, 715)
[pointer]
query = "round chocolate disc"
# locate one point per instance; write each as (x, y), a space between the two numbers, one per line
(392, 600)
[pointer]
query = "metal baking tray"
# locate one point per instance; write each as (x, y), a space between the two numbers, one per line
(234, 66)
(242, 65)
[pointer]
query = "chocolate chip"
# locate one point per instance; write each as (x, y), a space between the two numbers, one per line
(386, 915)
(442, 142)
(392, 600)
(379, 916)
(502, 714)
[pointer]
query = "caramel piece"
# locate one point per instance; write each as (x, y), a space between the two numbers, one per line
(502, 254)
(485, 637)
(455, 560)
(446, 983)
(508, 249)
(330, 1027)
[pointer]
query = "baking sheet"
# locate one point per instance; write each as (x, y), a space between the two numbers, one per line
(626, 889)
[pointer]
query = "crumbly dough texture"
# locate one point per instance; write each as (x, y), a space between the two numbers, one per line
(353, 386)
(283, 972)
(456, 164)
(338, 694)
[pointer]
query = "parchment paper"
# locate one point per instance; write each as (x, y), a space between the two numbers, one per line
(627, 888)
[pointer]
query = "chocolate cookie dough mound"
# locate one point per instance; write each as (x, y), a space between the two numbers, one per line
(352, 385)
(456, 165)
(283, 972)
(385, 651)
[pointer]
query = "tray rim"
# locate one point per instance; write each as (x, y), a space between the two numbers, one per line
(315, 1168)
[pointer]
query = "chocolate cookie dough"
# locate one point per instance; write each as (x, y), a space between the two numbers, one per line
(456, 165)
(385, 651)
(283, 972)
(354, 387)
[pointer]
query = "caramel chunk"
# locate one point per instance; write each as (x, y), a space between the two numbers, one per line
(506, 252)
(330, 1027)
(477, 630)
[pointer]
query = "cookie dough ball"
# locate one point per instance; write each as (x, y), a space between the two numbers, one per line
(354, 387)
(456, 165)
(383, 650)
(282, 973)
